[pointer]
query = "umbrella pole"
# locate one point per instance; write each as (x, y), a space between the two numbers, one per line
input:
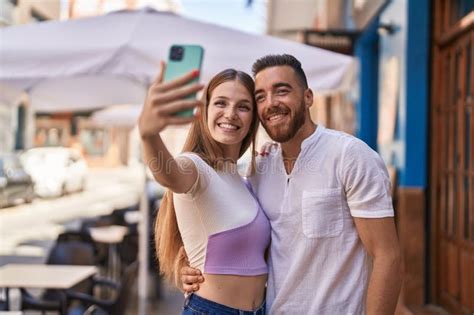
(143, 245)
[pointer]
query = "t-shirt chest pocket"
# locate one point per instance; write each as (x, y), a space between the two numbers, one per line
(322, 213)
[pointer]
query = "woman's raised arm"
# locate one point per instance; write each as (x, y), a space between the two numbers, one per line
(163, 101)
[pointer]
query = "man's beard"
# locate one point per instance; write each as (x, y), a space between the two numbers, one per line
(285, 132)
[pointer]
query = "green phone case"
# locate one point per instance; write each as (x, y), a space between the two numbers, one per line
(191, 60)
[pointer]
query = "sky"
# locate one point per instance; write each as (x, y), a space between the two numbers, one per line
(231, 13)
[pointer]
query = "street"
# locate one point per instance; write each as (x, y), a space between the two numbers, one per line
(44, 219)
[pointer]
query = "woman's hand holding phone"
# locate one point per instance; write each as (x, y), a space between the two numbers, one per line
(165, 99)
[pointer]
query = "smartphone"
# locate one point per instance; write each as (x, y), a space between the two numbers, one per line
(181, 60)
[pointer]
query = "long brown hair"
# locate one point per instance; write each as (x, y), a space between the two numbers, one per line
(168, 240)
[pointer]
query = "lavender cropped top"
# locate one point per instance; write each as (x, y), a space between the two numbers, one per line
(223, 227)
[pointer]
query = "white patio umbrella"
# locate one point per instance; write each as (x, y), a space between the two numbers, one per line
(94, 62)
(123, 115)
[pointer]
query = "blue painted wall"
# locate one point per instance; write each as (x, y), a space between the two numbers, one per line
(415, 169)
(367, 52)
(410, 45)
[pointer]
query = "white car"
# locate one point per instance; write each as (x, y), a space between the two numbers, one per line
(56, 171)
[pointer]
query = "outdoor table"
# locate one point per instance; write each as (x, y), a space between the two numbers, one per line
(133, 217)
(34, 276)
(110, 235)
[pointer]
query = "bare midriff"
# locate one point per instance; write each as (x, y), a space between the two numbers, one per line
(242, 292)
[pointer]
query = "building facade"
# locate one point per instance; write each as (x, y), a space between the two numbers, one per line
(17, 120)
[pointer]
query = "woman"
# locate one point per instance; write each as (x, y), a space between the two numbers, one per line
(224, 231)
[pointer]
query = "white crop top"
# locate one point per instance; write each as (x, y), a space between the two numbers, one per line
(219, 202)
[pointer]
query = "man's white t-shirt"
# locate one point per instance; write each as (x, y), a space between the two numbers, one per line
(317, 262)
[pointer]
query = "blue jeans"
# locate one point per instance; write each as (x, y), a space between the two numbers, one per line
(196, 305)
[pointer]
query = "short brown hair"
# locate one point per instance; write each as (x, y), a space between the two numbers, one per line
(280, 60)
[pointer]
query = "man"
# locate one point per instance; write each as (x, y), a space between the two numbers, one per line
(334, 246)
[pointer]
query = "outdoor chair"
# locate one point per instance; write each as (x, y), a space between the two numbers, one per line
(4, 303)
(100, 250)
(63, 253)
(117, 305)
(103, 220)
(128, 249)
(118, 215)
